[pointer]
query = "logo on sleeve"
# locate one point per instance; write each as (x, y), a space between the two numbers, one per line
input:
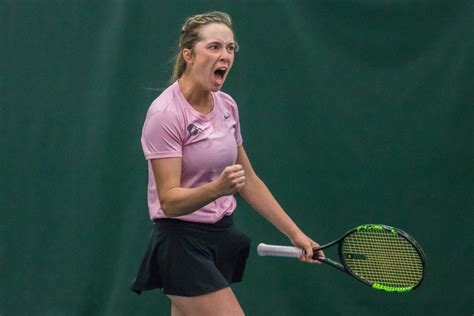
(193, 129)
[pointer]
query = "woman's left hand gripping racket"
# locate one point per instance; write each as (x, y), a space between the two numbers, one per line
(383, 257)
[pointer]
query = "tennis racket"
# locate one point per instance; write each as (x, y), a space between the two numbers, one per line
(383, 257)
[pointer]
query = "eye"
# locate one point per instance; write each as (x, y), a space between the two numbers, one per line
(214, 46)
(232, 48)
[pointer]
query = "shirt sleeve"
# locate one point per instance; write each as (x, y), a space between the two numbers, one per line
(161, 136)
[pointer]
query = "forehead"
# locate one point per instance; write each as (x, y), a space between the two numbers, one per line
(216, 32)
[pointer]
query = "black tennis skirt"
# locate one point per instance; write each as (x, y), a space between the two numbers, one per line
(191, 259)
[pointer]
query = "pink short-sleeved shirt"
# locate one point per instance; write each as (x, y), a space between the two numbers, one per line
(206, 143)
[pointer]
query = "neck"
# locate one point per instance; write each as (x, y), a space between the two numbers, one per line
(200, 99)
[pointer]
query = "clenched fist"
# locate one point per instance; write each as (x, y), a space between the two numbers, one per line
(231, 180)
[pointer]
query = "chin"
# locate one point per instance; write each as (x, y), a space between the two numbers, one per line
(215, 88)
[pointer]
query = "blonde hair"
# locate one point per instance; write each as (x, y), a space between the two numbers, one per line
(190, 35)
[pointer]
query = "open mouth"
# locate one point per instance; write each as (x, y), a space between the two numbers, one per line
(219, 75)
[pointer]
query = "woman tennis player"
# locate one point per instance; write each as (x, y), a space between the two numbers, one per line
(192, 141)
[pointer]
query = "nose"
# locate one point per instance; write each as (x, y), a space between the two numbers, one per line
(226, 55)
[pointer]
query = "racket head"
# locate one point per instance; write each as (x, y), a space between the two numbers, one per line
(383, 257)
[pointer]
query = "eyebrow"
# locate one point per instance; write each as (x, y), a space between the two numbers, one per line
(218, 42)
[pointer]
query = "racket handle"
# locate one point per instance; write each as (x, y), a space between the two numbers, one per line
(278, 251)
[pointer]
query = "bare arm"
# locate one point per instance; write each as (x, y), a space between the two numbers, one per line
(177, 201)
(256, 193)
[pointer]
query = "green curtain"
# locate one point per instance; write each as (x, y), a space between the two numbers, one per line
(352, 112)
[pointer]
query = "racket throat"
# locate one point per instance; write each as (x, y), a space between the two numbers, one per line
(332, 263)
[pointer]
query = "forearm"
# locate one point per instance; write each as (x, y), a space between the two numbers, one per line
(181, 201)
(256, 193)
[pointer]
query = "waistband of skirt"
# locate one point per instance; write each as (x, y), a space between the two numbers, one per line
(223, 223)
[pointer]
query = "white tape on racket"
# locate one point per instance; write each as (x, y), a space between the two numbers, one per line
(278, 251)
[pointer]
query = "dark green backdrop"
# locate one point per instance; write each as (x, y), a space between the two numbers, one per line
(353, 112)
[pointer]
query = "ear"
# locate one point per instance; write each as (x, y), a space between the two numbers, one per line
(188, 56)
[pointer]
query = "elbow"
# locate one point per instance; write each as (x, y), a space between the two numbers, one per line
(167, 209)
(173, 209)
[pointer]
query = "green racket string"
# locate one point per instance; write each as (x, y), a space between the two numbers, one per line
(383, 259)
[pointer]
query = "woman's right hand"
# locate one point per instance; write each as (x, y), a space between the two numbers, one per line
(231, 180)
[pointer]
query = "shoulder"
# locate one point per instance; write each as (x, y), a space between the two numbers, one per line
(226, 98)
(166, 106)
(227, 101)
(165, 112)
(164, 103)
